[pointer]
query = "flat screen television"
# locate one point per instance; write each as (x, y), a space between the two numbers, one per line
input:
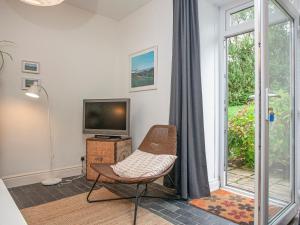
(107, 117)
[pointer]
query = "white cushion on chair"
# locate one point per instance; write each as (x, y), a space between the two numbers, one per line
(143, 164)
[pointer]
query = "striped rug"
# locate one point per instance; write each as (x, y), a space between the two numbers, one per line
(76, 211)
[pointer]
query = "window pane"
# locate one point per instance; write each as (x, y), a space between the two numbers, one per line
(281, 131)
(243, 16)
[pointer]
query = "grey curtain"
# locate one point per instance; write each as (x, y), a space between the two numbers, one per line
(186, 111)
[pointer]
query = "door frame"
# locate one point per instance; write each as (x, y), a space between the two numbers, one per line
(261, 145)
(223, 104)
(225, 33)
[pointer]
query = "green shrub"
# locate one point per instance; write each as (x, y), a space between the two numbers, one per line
(241, 134)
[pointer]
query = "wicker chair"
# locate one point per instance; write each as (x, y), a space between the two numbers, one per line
(161, 139)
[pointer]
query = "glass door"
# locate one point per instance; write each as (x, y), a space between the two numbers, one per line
(280, 111)
(275, 76)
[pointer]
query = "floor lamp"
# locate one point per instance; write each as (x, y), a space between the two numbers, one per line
(34, 92)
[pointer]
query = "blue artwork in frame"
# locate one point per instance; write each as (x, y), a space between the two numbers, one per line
(143, 70)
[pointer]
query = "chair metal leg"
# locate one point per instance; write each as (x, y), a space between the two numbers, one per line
(137, 199)
(139, 195)
(88, 196)
(144, 194)
(170, 178)
(103, 200)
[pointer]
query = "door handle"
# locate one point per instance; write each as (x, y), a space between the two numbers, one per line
(252, 97)
(271, 95)
(267, 104)
(270, 115)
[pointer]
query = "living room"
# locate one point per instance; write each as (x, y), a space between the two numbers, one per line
(75, 53)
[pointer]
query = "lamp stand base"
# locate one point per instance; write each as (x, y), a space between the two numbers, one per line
(51, 181)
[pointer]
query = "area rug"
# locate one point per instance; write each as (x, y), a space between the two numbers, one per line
(233, 207)
(76, 211)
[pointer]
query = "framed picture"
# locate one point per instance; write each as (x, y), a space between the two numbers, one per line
(143, 70)
(30, 67)
(27, 82)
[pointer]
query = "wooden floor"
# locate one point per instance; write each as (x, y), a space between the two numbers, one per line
(245, 179)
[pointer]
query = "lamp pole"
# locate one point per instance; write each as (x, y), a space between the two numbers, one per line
(34, 91)
(50, 128)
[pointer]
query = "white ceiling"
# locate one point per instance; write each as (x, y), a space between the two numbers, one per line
(221, 2)
(115, 9)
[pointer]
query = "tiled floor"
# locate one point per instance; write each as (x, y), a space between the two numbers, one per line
(176, 212)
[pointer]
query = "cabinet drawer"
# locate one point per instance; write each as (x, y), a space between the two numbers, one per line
(105, 152)
(107, 158)
(100, 148)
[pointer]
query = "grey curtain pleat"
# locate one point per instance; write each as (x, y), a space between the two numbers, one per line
(186, 110)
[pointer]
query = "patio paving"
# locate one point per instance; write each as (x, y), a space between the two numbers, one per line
(245, 179)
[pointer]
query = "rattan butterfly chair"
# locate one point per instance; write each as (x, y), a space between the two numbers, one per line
(161, 139)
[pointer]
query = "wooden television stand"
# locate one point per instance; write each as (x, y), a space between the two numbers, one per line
(105, 151)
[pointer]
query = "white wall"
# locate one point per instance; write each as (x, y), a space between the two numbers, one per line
(77, 53)
(84, 55)
(152, 25)
(209, 45)
(149, 26)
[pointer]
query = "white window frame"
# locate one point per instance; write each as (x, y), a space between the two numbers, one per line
(235, 9)
(227, 31)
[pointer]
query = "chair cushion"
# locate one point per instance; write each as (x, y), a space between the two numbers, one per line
(143, 164)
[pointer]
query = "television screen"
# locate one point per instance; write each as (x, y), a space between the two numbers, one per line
(106, 116)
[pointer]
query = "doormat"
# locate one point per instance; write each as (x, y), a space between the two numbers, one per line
(230, 206)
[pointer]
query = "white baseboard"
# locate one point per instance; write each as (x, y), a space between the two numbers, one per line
(214, 185)
(36, 177)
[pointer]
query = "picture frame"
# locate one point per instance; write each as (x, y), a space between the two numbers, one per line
(143, 70)
(30, 67)
(26, 82)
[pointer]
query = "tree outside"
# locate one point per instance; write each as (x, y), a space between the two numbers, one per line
(241, 88)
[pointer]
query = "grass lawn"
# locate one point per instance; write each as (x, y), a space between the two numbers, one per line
(233, 110)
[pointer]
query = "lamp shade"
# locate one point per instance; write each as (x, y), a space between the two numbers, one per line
(34, 91)
(43, 2)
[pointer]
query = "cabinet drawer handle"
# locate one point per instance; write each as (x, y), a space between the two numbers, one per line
(99, 159)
